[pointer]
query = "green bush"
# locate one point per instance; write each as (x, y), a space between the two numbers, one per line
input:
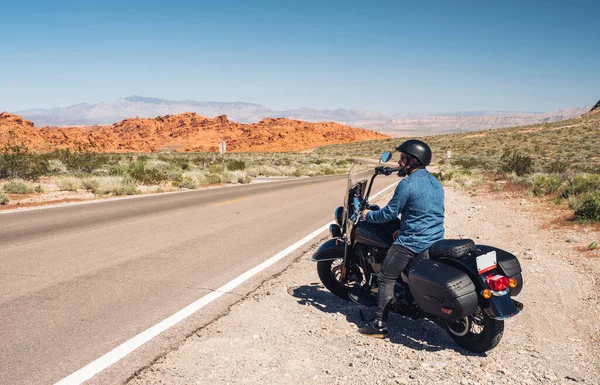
(452, 173)
(515, 162)
(545, 184)
(90, 184)
(140, 171)
(581, 184)
(126, 187)
(186, 182)
(236, 177)
(118, 170)
(82, 161)
(179, 161)
(16, 187)
(17, 162)
(233, 165)
(56, 167)
(3, 199)
(470, 163)
(213, 178)
(556, 167)
(588, 207)
(215, 168)
(68, 183)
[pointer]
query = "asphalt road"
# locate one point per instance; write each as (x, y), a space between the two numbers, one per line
(77, 281)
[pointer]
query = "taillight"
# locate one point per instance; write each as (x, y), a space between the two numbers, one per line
(497, 282)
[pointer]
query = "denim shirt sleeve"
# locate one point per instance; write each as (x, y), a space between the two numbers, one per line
(395, 205)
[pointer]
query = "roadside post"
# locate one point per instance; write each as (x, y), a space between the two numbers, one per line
(222, 147)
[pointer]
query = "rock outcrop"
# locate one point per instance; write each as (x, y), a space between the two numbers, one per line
(182, 132)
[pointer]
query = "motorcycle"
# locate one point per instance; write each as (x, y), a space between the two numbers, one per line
(465, 288)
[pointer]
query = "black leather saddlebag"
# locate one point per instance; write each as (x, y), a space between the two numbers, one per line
(508, 265)
(442, 290)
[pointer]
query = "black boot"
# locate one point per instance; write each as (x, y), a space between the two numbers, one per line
(363, 297)
(376, 329)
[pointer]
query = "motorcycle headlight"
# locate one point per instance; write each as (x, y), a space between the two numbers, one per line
(335, 230)
(339, 215)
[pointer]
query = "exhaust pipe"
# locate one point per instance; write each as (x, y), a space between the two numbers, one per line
(518, 305)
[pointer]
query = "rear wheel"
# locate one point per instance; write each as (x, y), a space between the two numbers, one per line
(477, 332)
(330, 273)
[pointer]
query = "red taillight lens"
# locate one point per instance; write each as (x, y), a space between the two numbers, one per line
(497, 282)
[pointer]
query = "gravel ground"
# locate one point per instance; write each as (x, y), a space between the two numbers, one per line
(292, 331)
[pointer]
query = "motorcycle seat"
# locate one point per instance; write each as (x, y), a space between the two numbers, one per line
(451, 248)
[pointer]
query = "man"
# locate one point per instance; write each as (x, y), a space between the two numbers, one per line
(419, 200)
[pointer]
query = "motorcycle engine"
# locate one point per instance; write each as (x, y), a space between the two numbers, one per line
(375, 257)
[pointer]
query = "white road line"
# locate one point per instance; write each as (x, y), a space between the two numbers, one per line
(129, 346)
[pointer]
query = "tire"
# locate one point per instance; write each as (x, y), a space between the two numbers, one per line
(477, 333)
(330, 273)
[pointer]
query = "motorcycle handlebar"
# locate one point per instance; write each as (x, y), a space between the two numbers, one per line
(380, 170)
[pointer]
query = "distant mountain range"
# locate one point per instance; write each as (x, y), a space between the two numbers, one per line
(391, 124)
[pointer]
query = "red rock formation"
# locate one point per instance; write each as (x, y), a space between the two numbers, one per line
(183, 132)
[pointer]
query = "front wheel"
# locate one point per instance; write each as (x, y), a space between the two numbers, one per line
(477, 332)
(330, 273)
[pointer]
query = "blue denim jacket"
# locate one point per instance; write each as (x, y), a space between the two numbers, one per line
(419, 199)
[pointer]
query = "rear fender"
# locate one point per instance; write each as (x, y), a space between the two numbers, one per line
(502, 307)
(329, 251)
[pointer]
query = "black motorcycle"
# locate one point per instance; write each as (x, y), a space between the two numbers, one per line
(463, 287)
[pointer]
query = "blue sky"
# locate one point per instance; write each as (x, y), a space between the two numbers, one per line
(391, 56)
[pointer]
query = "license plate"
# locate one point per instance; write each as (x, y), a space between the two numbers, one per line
(486, 262)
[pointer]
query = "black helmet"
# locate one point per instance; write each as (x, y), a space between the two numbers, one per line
(418, 149)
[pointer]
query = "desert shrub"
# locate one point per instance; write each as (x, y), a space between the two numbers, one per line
(462, 181)
(16, 187)
(140, 171)
(545, 184)
(68, 183)
(56, 167)
(196, 175)
(172, 170)
(470, 163)
(234, 164)
(213, 178)
(203, 160)
(3, 199)
(127, 186)
(327, 170)
(449, 173)
(581, 184)
(512, 161)
(17, 162)
(39, 189)
(90, 184)
(236, 177)
(82, 161)
(587, 207)
(556, 167)
(102, 185)
(179, 161)
(185, 182)
(215, 168)
(263, 170)
(119, 169)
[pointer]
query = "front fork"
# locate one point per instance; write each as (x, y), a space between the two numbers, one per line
(344, 276)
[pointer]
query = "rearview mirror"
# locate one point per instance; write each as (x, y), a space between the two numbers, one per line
(386, 156)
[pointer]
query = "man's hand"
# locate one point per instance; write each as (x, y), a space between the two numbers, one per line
(396, 234)
(364, 214)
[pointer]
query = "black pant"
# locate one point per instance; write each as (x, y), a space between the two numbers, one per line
(395, 262)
